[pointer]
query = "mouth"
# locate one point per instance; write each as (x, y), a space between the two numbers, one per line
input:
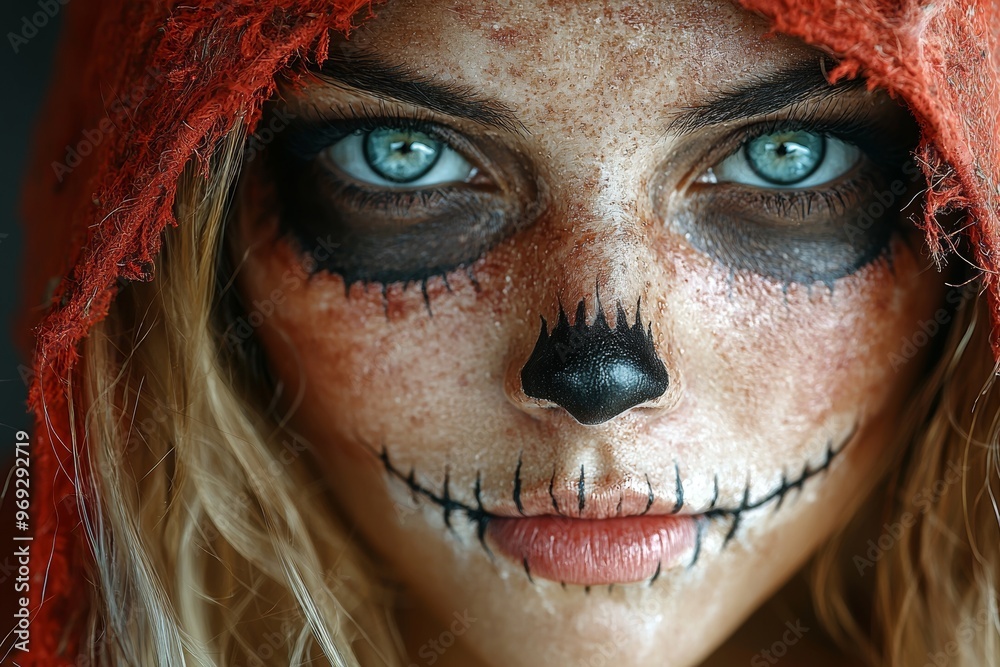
(591, 552)
(600, 536)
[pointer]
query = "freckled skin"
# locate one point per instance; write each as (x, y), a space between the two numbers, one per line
(760, 380)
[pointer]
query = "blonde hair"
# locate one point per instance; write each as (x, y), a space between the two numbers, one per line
(209, 546)
(928, 574)
(200, 493)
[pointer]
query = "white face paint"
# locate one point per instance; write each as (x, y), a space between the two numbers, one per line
(773, 310)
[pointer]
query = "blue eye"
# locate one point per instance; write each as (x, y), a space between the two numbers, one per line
(399, 155)
(395, 158)
(786, 159)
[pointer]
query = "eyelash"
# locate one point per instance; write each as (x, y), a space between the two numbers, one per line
(850, 130)
(307, 139)
(852, 127)
(311, 137)
(884, 148)
(315, 135)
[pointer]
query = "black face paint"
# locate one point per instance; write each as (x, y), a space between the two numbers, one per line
(593, 371)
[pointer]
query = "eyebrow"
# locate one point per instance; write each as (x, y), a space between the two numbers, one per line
(365, 71)
(761, 96)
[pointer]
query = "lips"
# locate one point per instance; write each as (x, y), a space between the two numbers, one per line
(595, 551)
(615, 532)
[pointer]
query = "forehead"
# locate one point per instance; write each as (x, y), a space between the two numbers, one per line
(547, 55)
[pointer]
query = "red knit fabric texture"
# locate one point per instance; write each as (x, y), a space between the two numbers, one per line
(143, 88)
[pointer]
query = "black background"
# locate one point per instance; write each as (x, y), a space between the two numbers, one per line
(26, 75)
(25, 80)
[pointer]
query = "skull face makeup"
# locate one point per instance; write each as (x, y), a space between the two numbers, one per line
(693, 451)
(383, 380)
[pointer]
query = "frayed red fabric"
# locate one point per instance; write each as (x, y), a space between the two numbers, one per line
(943, 60)
(143, 88)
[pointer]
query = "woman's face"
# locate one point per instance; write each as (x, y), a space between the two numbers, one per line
(586, 487)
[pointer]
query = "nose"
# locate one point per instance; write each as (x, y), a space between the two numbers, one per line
(595, 372)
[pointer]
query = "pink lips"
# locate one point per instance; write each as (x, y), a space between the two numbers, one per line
(594, 551)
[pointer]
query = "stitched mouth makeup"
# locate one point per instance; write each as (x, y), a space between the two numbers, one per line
(592, 539)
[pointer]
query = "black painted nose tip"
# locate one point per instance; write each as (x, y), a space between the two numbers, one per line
(593, 371)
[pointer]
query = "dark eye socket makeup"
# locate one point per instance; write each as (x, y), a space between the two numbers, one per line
(786, 177)
(834, 218)
(395, 232)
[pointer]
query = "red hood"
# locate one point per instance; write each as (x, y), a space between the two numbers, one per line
(136, 96)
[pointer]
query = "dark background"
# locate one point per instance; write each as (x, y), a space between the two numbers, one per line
(25, 77)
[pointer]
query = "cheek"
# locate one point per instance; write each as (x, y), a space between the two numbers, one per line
(388, 367)
(781, 360)
(378, 368)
